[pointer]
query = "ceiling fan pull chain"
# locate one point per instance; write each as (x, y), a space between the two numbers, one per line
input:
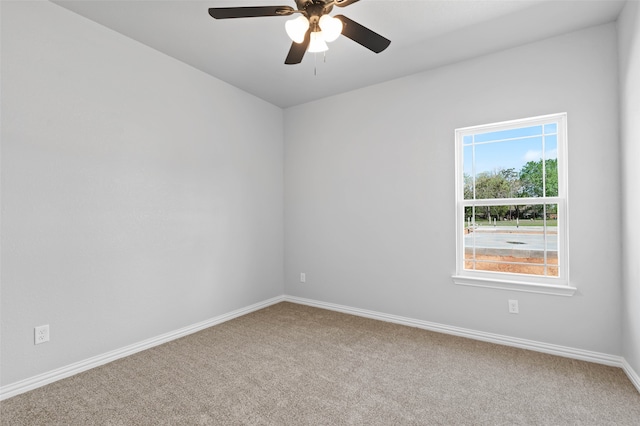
(315, 64)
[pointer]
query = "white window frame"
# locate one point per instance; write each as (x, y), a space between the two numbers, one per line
(512, 281)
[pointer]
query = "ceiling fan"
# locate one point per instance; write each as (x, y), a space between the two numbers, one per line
(313, 28)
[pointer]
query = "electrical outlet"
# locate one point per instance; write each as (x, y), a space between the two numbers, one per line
(41, 334)
(513, 307)
(303, 277)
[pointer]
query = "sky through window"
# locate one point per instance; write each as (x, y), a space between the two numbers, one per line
(509, 149)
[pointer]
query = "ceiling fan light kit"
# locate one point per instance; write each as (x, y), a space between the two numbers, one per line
(331, 28)
(317, 43)
(313, 29)
(296, 28)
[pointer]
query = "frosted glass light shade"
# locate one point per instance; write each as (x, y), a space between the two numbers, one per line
(297, 28)
(331, 27)
(317, 43)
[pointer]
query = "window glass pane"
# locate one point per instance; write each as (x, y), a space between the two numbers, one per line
(467, 140)
(551, 166)
(508, 134)
(551, 146)
(534, 175)
(550, 128)
(512, 266)
(514, 239)
(499, 165)
(551, 211)
(468, 172)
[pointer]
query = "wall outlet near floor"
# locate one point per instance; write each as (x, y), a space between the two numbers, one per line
(303, 277)
(513, 307)
(41, 334)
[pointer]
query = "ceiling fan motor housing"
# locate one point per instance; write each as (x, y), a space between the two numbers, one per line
(313, 10)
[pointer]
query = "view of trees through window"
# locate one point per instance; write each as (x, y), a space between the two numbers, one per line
(510, 199)
(511, 183)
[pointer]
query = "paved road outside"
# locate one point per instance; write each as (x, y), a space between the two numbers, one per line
(510, 237)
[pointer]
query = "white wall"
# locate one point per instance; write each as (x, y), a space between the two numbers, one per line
(629, 53)
(136, 198)
(369, 191)
(139, 195)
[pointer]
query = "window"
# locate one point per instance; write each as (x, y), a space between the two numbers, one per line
(511, 205)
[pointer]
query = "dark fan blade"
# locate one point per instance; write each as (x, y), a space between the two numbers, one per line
(363, 35)
(250, 12)
(296, 53)
(344, 3)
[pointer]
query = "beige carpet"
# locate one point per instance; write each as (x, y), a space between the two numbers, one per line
(294, 365)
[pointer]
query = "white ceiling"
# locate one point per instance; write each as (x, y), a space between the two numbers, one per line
(249, 53)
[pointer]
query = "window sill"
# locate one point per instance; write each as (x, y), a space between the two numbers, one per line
(557, 290)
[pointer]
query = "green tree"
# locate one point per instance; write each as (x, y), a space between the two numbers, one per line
(531, 178)
(513, 179)
(515, 187)
(500, 183)
(468, 187)
(492, 185)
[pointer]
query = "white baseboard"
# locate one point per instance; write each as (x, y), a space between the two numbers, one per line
(631, 373)
(31, 383)
(548, 348)
(34, 382)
